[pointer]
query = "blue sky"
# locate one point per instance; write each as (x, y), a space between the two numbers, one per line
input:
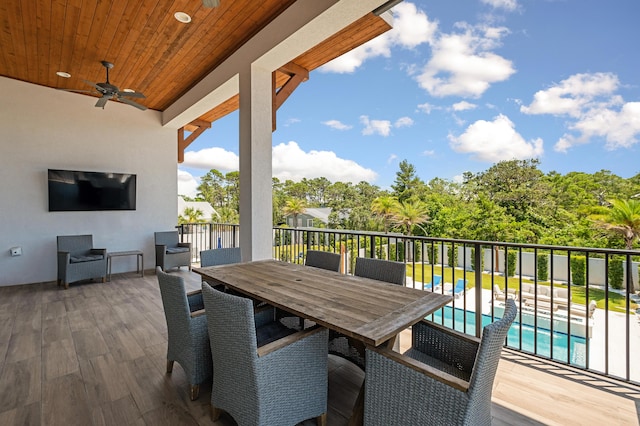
(459, 88)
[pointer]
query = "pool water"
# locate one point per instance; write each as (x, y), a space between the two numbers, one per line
(538, 341)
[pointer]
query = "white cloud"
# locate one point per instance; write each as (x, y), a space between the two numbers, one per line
(411, 27)
(380, 127)
(403, 122)
(392, 158)
(494, 141)
(288, 162)
(336, 124)
(594, 109)
(463, 64)
(383, 127)
(463, 106)
(427, 107)
(429, 153)
(573, 95)
(509, 5)
(291, 121)
(212, 158)
(187, 184)
(291, 162)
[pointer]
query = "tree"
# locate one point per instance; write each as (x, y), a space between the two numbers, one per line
(190, 215)
(384, 208)
(623, 218)
(409, 214)
(407, 184)
(294, 207)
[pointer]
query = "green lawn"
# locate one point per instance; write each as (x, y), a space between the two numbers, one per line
(578, 293)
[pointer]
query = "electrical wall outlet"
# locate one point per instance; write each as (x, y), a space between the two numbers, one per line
(16, 251)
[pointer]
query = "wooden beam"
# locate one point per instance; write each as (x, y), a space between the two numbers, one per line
(201, 126)
(297, 75)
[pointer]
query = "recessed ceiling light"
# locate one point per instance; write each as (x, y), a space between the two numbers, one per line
(182, 17)
(63, 74)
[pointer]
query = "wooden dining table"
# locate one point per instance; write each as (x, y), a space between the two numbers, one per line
(371, 311)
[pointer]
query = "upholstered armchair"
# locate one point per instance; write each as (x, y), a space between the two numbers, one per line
(188, 339)
(446, 377)
(79, 260)
(170, 252)
(262, 378)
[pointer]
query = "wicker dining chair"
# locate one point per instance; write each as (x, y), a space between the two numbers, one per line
(377, 269)
(323, 259)
(446, 377)
(188, 339)
(262, 378)
(381, 270)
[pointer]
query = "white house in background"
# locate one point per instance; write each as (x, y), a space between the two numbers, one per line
(312, 217)
(209, 214)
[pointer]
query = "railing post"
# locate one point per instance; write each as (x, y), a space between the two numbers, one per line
(478, 283)
(372, 244)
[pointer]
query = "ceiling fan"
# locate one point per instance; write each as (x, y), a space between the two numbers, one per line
(109, 91)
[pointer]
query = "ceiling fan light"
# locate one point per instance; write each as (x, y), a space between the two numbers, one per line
(182, 17)
(211, 3)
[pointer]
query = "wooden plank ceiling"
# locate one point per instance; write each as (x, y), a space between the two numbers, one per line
(151, 51)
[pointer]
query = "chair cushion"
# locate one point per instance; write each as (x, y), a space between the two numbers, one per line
(436, 363)
(271, 332)
(87, 258)
(172, 250)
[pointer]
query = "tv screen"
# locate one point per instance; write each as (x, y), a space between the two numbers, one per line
(86, 191)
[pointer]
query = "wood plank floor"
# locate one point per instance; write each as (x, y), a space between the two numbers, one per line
(95, 355)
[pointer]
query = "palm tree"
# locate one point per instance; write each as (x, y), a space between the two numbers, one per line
(409, 214)
(623, 218)
(384, 208)
(294, 207)
(190, 215)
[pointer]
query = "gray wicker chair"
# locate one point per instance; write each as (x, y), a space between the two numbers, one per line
(445, 378)
(381, 270)
(188, 339)
(170, 252)
(323, 259)
(78, 260)
(282, 382)
(377, 269)
(220, 256)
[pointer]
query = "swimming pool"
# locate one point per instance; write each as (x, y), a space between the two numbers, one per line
(538, 341)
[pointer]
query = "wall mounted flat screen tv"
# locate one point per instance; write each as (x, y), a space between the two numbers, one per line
(71, 190)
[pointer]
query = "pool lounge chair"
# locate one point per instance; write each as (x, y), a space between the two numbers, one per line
(458, 289)
(437, 279)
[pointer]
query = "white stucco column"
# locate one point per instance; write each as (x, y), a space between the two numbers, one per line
(255, 163)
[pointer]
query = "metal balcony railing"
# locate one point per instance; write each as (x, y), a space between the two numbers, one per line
(575, 304)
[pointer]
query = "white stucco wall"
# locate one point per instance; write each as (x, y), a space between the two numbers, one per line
(42, 128)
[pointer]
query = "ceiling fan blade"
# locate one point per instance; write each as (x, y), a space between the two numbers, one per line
(211, 3)
(77, 90)
(98, 88)
(132, 103)
(132, 94)
(102, 101)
